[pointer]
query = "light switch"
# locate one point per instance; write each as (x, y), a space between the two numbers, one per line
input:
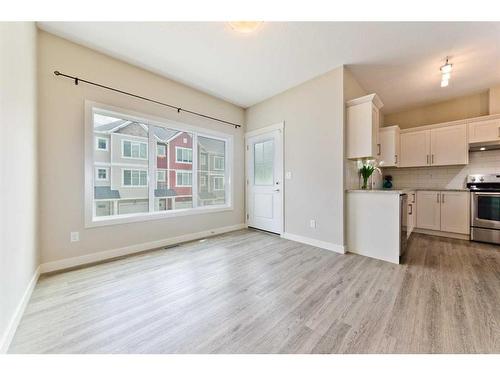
(75, 236)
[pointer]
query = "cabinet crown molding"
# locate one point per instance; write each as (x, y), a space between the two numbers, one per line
(374, 98)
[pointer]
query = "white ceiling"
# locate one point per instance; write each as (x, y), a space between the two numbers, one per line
(399, 61)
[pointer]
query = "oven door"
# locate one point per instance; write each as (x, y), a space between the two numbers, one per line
(485, 210)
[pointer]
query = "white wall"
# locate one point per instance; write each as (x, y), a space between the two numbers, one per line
(61, 142)
(18, 169)
(313, 113)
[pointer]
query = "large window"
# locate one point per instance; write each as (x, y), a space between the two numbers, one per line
(153, 169)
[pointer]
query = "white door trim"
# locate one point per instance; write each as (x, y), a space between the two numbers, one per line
(267, 129)
(252, 133)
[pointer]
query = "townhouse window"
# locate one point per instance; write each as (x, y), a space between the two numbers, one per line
(134, 149)
(161, 176)
(101, 144)
(183, 179)
(183, 155)
(218, 163)
(161, 150)
(218, 183)
(132, 184)
(134, 177)
(101, 174)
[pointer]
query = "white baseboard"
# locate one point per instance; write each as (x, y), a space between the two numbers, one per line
(114, 253)
(18, 313)
(442, 234)
(313, 242)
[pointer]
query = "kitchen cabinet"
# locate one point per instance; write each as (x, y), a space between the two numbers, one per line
(412, 212)
(449, 145)
(428, 210)
(455, 212)
(484, 131)
(446, 211)
(389, 138)
(439, 146)
(415, 148)
(363, 127)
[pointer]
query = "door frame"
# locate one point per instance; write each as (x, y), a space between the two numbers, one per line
(267, 129)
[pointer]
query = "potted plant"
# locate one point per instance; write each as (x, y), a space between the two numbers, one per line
(366, 168)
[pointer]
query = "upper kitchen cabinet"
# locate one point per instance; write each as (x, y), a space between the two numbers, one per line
(363, 127)
(415, 148)
(449, 145)
(484, 131)
(389, 146)
(438, 146)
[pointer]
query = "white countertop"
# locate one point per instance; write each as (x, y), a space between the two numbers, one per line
(398, 191)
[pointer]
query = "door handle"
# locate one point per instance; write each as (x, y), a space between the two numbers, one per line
(432, 159)
(379, 149)
(411, 209)
(442, 198)
(413, 200)
(437, 197)
(395, 159)
(276, 190)
(427, 159)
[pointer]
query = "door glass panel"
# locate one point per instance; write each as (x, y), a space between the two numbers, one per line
(264, 163)
(488, 208)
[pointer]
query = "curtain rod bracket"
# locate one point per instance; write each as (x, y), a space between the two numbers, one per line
(76, 81)
(178, 110)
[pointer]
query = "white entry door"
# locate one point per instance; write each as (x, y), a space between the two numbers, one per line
(264, 179)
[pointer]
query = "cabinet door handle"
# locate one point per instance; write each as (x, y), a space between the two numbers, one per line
(379, 149)
(442, 198)
(413, 200)
(432, 159)
(395, 159)
(437, 197)
(411, 210)
(499, 132)
(427, 159)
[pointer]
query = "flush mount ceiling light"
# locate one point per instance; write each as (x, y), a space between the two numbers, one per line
(445, 73)
(245, 27)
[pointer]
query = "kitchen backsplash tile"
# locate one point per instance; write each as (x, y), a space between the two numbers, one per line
(450, 177)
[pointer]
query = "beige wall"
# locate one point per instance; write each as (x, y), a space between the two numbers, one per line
(18, 168)
(61, 142)
(352, 90)
(494, 100)
(313, 139)
(455, 109)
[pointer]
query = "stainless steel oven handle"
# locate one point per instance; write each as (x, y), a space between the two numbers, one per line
(485, 193)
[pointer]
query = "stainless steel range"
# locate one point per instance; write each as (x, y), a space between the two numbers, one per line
(485, 207)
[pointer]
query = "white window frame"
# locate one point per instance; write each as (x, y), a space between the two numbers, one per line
(223, 163)
(218, 178)
(131, 171)
(132, 142)
(183, 148)
(97, 139)
(97, 178)
(151, 120)
(180, 171)
(203, 159)
(164, 154)
(164, 171)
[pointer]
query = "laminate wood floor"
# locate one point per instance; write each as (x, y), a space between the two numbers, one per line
(251, 292)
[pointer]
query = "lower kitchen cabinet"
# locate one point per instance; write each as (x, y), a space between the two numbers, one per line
(446, 211)
(428, 210)
(455, 212)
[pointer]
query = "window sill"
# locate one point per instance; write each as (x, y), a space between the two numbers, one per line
(159, 215)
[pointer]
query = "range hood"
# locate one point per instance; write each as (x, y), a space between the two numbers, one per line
(484, 146)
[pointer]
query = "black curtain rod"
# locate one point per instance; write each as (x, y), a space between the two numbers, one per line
(178, 109)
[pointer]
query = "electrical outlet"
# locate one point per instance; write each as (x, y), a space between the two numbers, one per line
(75, 236)
(312, 223)
(288, 175)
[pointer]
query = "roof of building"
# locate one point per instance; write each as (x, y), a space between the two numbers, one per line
(105, 192)
(165, 193)
(163, 134)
